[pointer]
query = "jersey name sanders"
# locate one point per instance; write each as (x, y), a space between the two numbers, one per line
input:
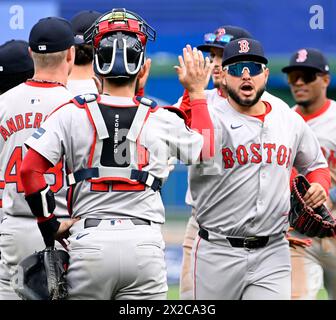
(20, 121)
(253, 153)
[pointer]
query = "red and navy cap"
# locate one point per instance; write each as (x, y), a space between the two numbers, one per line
(81, 22)
(15, 58)
(308, 58)
(222, 36)
(51, 34)
(243, 50)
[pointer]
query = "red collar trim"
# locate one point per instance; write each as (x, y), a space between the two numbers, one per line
(317, 113)
(42, 84)
(261, 117)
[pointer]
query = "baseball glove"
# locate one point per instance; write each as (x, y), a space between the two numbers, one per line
(311, 222)
(42, 275)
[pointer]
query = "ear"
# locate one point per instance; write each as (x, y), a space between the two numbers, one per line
(224, 75)
(71, 52)
(30, 51)
(266, 73)
(326, 80)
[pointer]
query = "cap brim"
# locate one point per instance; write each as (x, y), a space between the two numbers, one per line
(301, 66)
(207, 47)
(245, 57)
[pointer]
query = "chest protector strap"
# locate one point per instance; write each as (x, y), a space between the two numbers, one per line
(103, 173)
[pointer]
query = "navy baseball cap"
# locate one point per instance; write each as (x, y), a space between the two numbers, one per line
(308, 58)
(51, 34)
(81, 22)
(15, 58)
(243, 49)
(222, 36)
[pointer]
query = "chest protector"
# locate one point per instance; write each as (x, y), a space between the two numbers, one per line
(115, 152)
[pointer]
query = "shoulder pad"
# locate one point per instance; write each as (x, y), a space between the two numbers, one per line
(85, 98)
(147, 102)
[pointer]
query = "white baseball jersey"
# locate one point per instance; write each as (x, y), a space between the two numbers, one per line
(245, 191)
(22, 110)
(78, 87)
(68, 131)
(323, 123)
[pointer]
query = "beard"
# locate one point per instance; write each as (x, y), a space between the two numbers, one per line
(245, 102)
(305, 104)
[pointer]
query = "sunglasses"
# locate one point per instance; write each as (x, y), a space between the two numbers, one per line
(306, 76)
(210, 38)
(237, 69)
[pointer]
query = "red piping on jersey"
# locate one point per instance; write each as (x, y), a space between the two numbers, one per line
(2, 184)
(0, 203)
(43, 84)
(317, 113)
(195, 263)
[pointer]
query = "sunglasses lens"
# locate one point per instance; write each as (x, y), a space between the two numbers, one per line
(209, 38)
(305, 76)
(225, 38)
(237, 69)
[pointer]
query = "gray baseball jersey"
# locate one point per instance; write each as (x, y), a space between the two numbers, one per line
(164, 134)
(22, 110)
(245, 191)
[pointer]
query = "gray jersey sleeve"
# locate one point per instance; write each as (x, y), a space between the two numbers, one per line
(309, 155)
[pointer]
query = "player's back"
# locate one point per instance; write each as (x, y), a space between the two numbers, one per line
(22, 110)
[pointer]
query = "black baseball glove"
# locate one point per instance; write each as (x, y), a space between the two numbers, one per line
(311, 222)
(41, 276)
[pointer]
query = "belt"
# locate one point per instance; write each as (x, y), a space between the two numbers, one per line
(92, 222)
(251, 242)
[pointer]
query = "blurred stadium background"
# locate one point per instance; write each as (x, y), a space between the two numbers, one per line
(282, 26)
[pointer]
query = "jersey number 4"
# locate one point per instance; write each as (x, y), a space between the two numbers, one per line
(12, 172)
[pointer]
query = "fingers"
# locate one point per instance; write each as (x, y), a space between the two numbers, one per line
(315, 196)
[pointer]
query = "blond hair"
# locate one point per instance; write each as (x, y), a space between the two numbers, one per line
(48, 60)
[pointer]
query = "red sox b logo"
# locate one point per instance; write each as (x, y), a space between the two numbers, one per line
(244, 46)
(302, 55)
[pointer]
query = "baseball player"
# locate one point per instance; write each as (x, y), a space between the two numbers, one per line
(82, 78)
(117, 149)
(214, 43)
(22, 110)
(308, 78)
(242, 198)
(16, 66)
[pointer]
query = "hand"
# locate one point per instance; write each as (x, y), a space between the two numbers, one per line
(63, 231)
(315, 195)
(193, 72)
(143, 74)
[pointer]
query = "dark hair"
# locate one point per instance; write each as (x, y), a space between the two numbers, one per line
(84, 54)
(119, 82)
(10, 81)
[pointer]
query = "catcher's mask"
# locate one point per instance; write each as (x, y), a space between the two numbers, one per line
(119, 40)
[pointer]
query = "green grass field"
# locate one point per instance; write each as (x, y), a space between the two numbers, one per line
(173, 293)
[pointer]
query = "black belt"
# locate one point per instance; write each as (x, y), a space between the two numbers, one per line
(92, 222)
(251, 242)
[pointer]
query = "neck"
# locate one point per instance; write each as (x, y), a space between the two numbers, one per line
(314, 106)
(119, 91)
(55, 75)
(255, 110)
(81, 72)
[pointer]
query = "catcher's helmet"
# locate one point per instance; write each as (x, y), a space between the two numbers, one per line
(119, 40)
